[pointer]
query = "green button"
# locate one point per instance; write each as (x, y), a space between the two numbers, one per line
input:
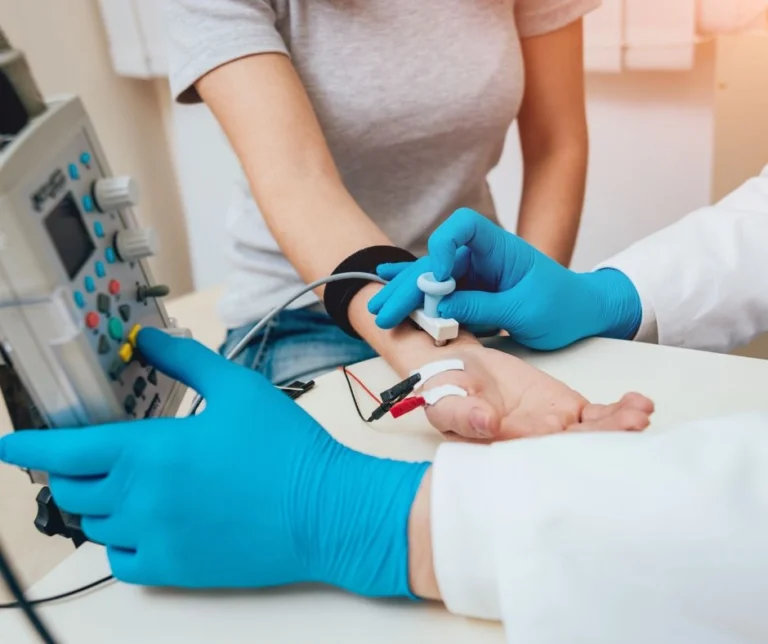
(115, 329)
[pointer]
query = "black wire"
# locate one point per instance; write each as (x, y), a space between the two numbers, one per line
(13, 585)
(354, 398)
(53, 598)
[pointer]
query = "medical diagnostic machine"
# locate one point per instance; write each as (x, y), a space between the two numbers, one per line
(75, 285)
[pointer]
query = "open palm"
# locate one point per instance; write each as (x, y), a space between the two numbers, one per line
(508, 398)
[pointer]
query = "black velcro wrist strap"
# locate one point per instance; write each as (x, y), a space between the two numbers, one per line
(338, 295)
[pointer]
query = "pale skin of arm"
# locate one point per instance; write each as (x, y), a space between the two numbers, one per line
(554, 140)
(264, 110)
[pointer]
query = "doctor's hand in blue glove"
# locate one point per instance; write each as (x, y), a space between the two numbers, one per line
(251, 492)
(508, 284)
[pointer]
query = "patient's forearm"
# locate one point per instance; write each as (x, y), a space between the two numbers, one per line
(406, 347)
(263, 108)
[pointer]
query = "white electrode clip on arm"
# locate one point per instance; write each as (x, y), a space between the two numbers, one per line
(442, 330)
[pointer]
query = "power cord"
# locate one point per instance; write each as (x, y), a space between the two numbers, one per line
(15, 587)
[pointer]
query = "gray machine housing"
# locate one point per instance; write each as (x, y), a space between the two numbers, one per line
(58, 264)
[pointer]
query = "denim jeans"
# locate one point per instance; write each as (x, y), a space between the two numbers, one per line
(298, 345)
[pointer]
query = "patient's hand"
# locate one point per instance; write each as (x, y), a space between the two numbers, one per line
(509, 398)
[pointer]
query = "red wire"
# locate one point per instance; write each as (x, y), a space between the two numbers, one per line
(362, 384)
(407, 405)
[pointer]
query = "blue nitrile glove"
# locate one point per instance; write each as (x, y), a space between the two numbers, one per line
(509, 284)
(250, 493)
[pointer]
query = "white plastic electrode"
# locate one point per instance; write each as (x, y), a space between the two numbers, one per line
(434, 396)
(442, 330)
(429, 371)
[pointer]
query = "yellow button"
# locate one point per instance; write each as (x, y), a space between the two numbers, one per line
(132, 335)
(126, 353)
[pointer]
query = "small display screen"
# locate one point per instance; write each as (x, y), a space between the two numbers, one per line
(69, 235)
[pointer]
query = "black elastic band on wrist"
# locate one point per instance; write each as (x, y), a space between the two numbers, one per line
(338, 295)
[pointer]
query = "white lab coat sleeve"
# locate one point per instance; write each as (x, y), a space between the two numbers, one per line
(703, 281)
(609, 538)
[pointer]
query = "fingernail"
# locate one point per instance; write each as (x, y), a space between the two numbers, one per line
(480, 423)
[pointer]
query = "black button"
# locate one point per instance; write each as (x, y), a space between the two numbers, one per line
(102, 303)
(125, 312)
(140, 386)
(152, 376)
(130, 404)
(117, 368)
(103, 345)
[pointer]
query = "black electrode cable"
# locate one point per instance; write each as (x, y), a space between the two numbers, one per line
(354, 398)
(65, 595)
(15, 587)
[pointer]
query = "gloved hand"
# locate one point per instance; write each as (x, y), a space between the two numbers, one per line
(252, 492)
(509, 284)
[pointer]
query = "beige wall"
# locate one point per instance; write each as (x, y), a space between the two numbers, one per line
(67, 49)
(741, 123)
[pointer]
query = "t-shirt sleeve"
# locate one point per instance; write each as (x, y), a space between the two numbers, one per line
(206, 35)
(538, 17)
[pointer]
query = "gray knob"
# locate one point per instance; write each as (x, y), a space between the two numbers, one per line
(136, 243)
(116, 193)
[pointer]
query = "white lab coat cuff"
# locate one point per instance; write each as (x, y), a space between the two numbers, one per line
(463, 534)
(628, 264)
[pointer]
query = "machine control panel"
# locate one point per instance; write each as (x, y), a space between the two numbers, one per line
(74, 285)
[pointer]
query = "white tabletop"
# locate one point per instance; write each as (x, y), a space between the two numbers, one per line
(685, 385)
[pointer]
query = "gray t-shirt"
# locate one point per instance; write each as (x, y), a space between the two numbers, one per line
(414, 97)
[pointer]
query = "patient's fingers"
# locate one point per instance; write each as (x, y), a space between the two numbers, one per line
(635, 400)
(632, 413)
(629, 401)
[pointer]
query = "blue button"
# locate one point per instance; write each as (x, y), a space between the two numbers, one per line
(85, 158)
(90, 285)
(88, 203)
(74, 172)
(100, 270)
(98, 229)
(79, 300)
(109, 255)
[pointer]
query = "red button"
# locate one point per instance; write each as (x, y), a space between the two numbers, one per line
(92, 320)
(114, 287)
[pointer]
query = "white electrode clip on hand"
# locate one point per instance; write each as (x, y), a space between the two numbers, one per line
(408, 403)
(442, 330)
